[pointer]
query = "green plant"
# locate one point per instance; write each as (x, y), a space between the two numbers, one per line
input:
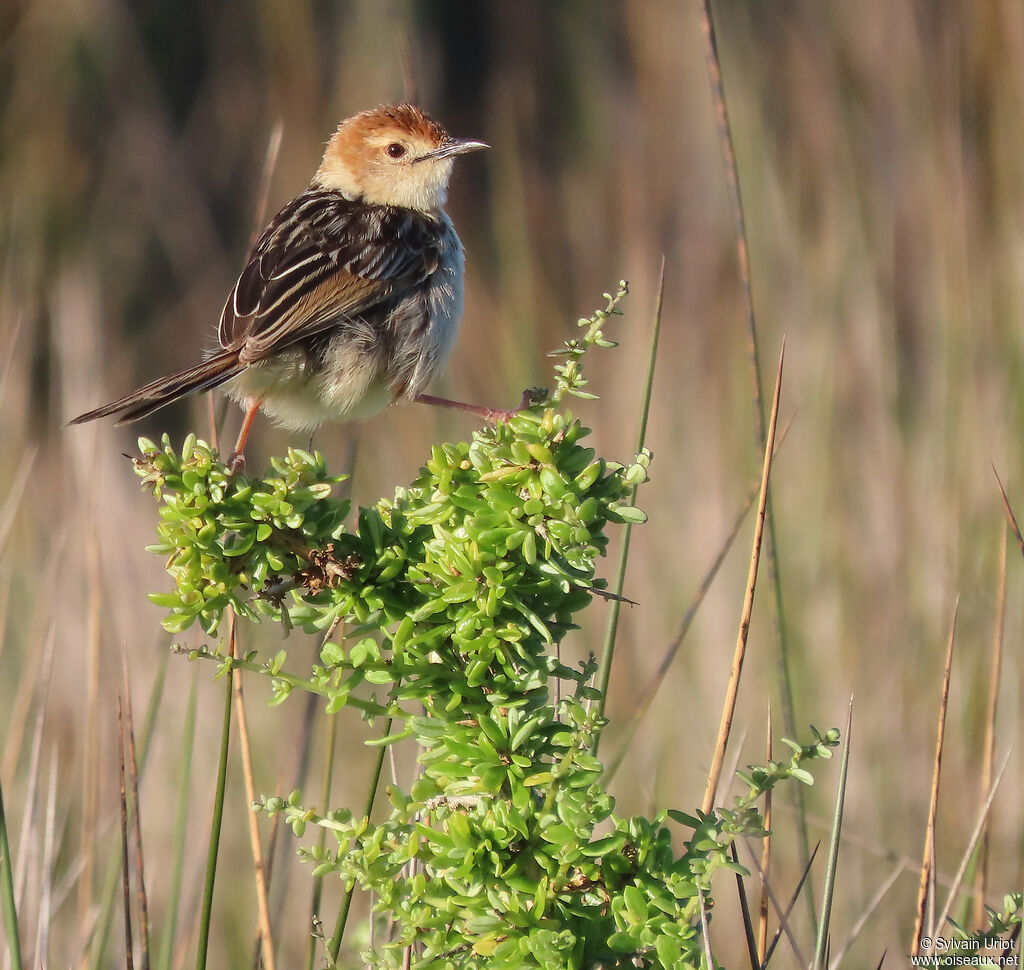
(998, 939)
(505, 850)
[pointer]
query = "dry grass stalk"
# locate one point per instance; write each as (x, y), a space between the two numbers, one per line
(783, 913)
(766, 856)
(862, 919)
(126, 889)
(1009, 512)
(748, 926)
(704, 928)
(732, 691)
(988, 754)
(259, 868)
(133, 779)
(926, 890)
(965, 858)
(653, 685)
(90, 789)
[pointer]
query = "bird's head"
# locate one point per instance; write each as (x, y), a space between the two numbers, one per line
(393, 155)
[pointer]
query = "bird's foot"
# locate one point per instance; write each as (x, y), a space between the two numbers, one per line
(236, 463)
(530, 396)
(237, 460)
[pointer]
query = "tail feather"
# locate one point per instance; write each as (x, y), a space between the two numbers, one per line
(202, 377)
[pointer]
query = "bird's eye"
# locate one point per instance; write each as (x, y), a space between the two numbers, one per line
(395, 150)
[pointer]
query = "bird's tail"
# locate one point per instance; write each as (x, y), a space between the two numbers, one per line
(202, 377)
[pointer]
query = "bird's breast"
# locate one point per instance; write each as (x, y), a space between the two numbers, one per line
(422, 326)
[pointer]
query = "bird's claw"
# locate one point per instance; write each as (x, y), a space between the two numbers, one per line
(531, 395)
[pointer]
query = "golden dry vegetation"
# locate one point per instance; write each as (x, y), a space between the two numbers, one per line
(880, 156)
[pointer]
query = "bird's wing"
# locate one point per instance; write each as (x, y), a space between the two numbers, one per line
(323, 258)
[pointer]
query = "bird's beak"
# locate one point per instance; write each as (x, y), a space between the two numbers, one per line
(452, 147)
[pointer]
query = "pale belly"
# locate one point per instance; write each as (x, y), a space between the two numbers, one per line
(348, 386)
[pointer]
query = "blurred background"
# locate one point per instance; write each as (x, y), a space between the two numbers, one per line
(879, 148)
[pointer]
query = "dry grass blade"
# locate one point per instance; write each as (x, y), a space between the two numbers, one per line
(90, 733)
(409, 86)
(211, 416)
(972, 844)
(861, 920)
(259, 218)
(175, 864)
(783, 914)
(328, 776)
(5, 601)
(46, 869)
(1009, 512)
(743, 260)
(27, 836)
(652, 687)
(7, 355)
(325, 801)
(714, 68)
(927, 866)
(732, 692)
(28, 698)
(269, 164)
(734, 759)
(9, 512)
(736, 197)
(279, 862)
(988, 754)
(136, 814)
(95, 935)
(704, 930)
(748, 923)
(269, 871)
(766, 856)
(126, 889)
(259, 869)
(932, 890)
(873, 847)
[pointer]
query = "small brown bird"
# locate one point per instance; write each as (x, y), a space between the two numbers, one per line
(351, 297)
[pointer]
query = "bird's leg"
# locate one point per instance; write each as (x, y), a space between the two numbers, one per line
(489, 414)
(236, 463)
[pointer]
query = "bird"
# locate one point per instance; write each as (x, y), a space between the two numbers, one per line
(350, 298)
